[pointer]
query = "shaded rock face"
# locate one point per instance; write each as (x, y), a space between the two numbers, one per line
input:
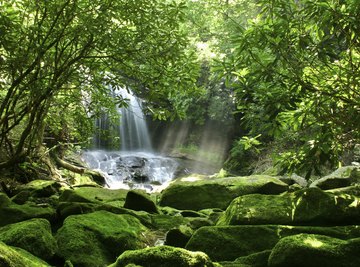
(163, 256)
(315, 250)
(342, 177)
(310, 207)
(217, 193)
(32, 235)
(97, 238)
(136, 200)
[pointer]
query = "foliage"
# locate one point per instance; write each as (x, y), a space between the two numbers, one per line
(59, 60)
(295, 68)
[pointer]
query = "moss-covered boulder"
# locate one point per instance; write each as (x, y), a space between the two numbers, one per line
(163, 256)
(203, 193)
(315, 250)
(97, 238)
(14, 213)
(4, 200)
(259, 259)
(32, 235)
(227, 243)
(95, 195)
(311, 206)
(178, 237)
(342, 177)
(41, 188)
(17, 257)
(139, 200)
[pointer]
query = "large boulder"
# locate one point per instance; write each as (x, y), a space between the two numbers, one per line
(41, 188)
(32, 235)
(203, 193)
(310, 206)
(17, 257)
(227, 243)
(13, 213)
(97, 238)
(163, 256)
(315, 250)
(342, 177)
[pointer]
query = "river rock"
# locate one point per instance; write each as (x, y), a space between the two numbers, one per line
(227, 243)
(163, 256)
(17, 257)
(202, 193)
(138, 200)
(310, 206)
(32, 235)
(315, 250)
(41, 188)
(97, 238)
(94, 195)
(14, 213)
(178, 237)
(342, 177)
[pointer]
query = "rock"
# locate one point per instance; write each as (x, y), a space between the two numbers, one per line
(203, 193)
(4, 200)
(178, 237)
(95, 195)
(97, 238)
(350, 190)
(342, 177)
(137, 200)
(41, 188)
(32, 235)
(315, 250)
(163, 256)
(259, 259)
(14, 213)
(17, 257)
(309, 206)
(227, 243)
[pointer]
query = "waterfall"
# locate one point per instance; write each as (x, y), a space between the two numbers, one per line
(134, 133)
(133, 164)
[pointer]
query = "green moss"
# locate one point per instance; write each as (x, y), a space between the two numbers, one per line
(32, 235)
(16, 257)
(163, 256)
(14, 213)
(41, 188)
(310, 206)
(259, 259)
(197, 194)
(315, 250)
(4, 200)
(139, 200)
(104, 234)
(94, 195)
(226, 243)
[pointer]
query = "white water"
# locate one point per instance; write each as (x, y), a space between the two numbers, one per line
(134, 165)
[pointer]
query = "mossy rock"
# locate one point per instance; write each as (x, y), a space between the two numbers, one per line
(41, 188)
(163, 256)
(17, 257)
(4, 200)
(178, 237)
(310, 206)
(14, 213)
(94, 195)
(226, 243)
(97, 238)
(315, 250)
(32, 235)
(139, 200)
(199, 194)
(342, 177)
(259, 259)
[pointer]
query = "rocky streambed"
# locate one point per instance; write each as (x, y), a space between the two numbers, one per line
(253, 221)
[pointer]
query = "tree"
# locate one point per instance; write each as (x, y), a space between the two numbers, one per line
(58, 59)
(296, 72)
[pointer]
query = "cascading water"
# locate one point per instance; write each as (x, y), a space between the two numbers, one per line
(134, 165)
